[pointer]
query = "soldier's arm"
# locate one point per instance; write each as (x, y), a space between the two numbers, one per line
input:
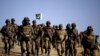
(16, 28)
(21, 30)
(2, 33)
(3, 30)
(76, 35)
(96, 39)
(65, 36)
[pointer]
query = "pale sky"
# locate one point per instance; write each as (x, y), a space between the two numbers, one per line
(81, 12)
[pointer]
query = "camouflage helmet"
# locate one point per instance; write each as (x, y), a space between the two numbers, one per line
(73, 25)
(26, 19)
(90, 28)
(12, 19)
(34, 21)
(60, 25)
(48, 22)
(7, 20)
(68, 25)
(56, 26)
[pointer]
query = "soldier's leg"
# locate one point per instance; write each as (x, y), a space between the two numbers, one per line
(28, 46)
(62, 48)
(33, 47)
(66, 51)
(38, 46)
(59, 49)
(71, 50)
(74, 48)
(41, 45)
(46, 45)
(92, 50)
(49, 47)
(85, 51)
(6, 46)
(23, 48)
(9, 46)
(13, 42)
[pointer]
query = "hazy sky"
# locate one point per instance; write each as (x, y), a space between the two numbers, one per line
(81, 12)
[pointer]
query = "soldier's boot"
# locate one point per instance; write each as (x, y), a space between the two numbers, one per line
(37, 51)
(23, 54)
(71, 53)
(28, 54)
(45, 50)
(9, 49)
(33, 52)
(59, 53)
(66, 51)
(8, 52)
(41, 50)
(5, 48)
(84, 53)
(74, 52)
(13, 45)
(48, 52)
(92, 54)
(62, 52)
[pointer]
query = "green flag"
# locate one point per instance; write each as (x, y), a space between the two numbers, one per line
(39, 16)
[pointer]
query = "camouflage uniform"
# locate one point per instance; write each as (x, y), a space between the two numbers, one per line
(7, 31)
(36, 38)
(55, 28)
(61, 37)
(15, 30)
(47, 37)
(41, 36)
(67, 42)
(26, 35)
(88, 41)
(73, 39)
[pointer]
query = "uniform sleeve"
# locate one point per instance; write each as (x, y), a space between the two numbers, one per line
(3, 30)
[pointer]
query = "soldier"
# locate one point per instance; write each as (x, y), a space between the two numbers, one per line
(67, 42)
(61, 37)
(7, 31)
(36, 37)
(15, 30)
(73, 39)
(55, 28)
(26, 32)
(89, 41)
(47, 37)
(41, 33)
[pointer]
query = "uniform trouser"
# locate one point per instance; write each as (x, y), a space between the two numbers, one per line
(26, 46)
(46, 44)
(38, 45)
(8, 45)
(67, 47)
(33, 45)
(60, 48)
(14, 40)
(72, 49)
(88, 51)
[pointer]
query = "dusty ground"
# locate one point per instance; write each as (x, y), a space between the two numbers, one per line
(17, 52)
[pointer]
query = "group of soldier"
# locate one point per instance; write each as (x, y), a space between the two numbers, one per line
(36, 37)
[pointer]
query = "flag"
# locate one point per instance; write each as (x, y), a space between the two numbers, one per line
(39, 16)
